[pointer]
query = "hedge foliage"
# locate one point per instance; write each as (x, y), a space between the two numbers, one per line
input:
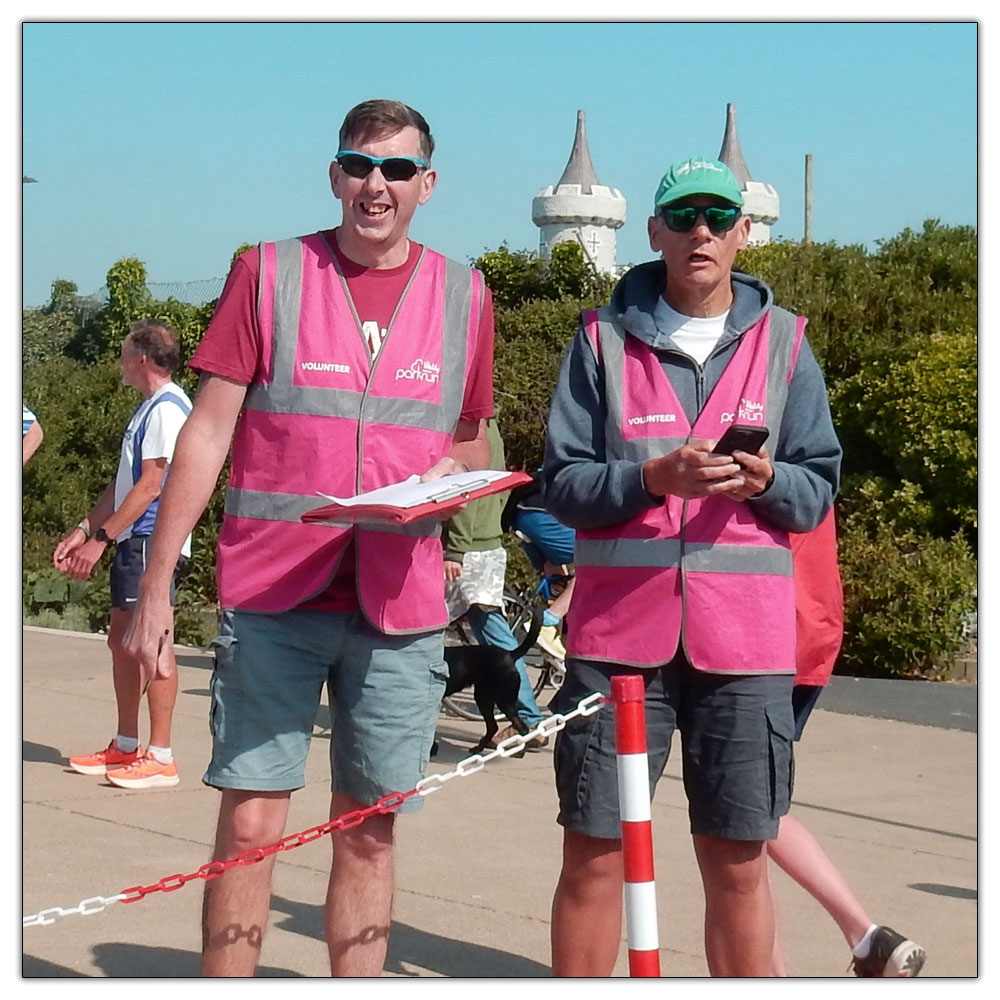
(895, 331)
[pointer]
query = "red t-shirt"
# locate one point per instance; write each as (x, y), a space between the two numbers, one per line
(231, 347)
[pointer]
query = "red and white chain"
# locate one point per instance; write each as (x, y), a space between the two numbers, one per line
(388, 803)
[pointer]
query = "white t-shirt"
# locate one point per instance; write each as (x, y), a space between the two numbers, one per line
(159, 437)
(694, 335)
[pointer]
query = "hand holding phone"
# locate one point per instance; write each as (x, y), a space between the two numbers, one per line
(741, 437)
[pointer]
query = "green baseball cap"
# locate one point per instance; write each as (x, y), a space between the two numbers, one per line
(697, 175)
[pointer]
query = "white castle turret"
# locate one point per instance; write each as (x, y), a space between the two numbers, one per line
(580, 208)
(760, 201)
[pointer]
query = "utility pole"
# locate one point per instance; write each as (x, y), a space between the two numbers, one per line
(807, 238)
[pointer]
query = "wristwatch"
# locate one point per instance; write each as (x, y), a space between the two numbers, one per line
(102, 536)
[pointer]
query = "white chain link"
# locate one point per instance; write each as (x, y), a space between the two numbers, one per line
(510, 746)
(86, 908)
(470, 765)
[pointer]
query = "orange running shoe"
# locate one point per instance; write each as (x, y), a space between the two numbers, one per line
(145, 772)
(100, 762)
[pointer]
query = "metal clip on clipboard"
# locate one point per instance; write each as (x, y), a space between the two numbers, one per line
(455, 491)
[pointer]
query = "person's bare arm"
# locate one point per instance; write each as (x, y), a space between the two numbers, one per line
(201, 450)
(469, 450)
(30, 442)
(78, 538)
(81, 559)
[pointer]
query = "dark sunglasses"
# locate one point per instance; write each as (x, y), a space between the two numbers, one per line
(683, 219)
(394, 168)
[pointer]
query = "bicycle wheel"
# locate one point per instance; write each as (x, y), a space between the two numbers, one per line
(542, 670)
(462, 704)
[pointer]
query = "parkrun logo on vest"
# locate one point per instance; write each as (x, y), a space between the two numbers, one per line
(748, 413)
(653, 418)
(324, 366)
(420, 371)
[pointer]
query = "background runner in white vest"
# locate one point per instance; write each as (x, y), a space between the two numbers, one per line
(125, 514)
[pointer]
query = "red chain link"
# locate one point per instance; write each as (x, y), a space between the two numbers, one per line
(387, 804)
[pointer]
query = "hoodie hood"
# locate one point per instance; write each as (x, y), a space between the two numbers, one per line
(635, 295)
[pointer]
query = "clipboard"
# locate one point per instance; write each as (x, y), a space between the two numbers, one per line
(437, 497)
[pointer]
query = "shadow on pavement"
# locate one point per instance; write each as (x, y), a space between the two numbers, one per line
(39, 753)
(954, 891)
(433, 952)
(120, 960)
(203, 662)
(38, 968)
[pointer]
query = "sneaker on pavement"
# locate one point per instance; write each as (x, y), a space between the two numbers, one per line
(145, 772)
(891, 956)
(550, 640)
(110, 758)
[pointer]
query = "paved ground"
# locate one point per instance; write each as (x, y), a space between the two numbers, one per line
(894, 802)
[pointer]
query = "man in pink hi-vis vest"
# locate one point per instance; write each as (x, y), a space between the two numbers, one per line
(684, 571)
(342, 360)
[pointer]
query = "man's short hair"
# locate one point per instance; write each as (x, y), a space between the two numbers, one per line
(380, 119)
(158, 342)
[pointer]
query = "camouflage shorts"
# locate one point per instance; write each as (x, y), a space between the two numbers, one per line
(481, 582)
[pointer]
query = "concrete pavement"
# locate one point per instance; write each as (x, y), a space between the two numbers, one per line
(893, 802)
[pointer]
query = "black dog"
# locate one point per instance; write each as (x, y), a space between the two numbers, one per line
(493, 676)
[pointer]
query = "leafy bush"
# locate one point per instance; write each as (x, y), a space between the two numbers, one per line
(909, 597)
(918, 416)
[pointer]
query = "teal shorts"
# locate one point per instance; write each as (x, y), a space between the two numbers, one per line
(385, 695)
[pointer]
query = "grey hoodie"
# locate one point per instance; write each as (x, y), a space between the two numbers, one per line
(584, 490)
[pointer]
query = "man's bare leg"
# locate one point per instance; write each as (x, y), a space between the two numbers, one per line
(739, 917)
(125, 674)
(799, 854)
(359, 898)
(236, 905)
(587, 907)
(162, 696)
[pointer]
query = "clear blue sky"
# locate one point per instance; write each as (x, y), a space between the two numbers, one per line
(176, 143)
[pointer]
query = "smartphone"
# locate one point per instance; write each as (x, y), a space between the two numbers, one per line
(741, 437)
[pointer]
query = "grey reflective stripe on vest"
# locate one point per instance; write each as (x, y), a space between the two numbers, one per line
(665, 553)
(781, 342)
(702, 557)
(283, 396)
(660, 552)
(611, 337)
(291, 506)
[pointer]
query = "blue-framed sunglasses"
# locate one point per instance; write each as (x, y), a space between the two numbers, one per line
(394, 168)
(683, 218)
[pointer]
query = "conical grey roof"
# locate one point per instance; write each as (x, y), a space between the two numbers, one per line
(580, 168)
(730, 154)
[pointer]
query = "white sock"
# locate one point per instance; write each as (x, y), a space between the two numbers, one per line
(127, 744)
(861, 949)
(162, 754)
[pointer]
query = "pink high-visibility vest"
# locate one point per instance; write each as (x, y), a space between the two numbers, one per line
(327, 417)
(707, 572)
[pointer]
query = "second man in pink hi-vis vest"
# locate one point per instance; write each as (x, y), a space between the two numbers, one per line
(339, 361)
(684, 570)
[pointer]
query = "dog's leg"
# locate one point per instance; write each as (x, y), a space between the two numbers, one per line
(487, 708)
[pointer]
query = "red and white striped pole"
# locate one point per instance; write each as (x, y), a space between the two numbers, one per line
(628, 693)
